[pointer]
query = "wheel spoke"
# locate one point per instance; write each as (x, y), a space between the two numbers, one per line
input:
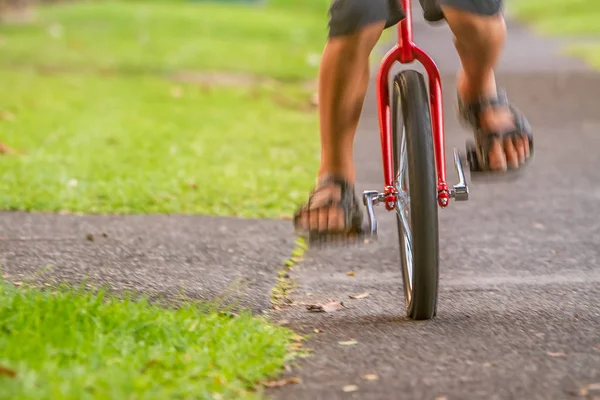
(403, 211)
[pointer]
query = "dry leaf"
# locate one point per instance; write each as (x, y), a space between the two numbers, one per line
(351, 273)
(350, 388)
(282, 382)
(348, 342)
(89, 237)
(584, 391)
(4, 149)
(296, 346)
(370, 377)
(176, 92)
(316, 330)
(11, 373)
(557, 354)
(17, 283)
(329, 307)
(359, 296)
(6, 115)
(193, 326)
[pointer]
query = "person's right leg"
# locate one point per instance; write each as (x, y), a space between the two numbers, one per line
(355, 28)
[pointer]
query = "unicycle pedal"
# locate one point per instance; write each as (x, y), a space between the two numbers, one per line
(371, 198)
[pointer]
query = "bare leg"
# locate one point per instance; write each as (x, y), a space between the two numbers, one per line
(479, 40)
(343, 82)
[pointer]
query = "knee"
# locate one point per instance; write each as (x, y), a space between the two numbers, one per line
(474, 27)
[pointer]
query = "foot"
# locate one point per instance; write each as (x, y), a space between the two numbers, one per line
(332, 210)
(506, 133)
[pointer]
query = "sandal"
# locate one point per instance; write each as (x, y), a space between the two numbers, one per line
(468, 114)
(348, 203)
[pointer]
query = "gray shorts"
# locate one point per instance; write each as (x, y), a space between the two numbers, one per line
(349, 16)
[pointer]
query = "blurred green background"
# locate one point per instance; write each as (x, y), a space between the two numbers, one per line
(178, 106)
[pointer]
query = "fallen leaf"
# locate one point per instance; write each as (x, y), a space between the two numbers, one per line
(89, 237)
(193, 326)
(283, 322)
(351, 273)
(6, 115)
(4, 149)
(537, 225)
(329, 307)
(17, 283)
(350, 388)
(282, 382)
(295, 346)
(359, 296)
(11, 373)
(176, 92)
(348, 342)
(370, 377)
(585, 391)
(316, 330)
(557, 354)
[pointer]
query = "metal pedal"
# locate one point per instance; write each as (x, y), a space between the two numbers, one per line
(371, 198)
(460, 191)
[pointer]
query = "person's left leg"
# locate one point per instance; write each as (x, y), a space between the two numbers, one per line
(479, 34)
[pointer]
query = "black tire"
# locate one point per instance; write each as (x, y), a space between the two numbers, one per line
(410, 110)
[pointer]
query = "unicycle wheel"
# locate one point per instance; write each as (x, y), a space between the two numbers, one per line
(415, 181)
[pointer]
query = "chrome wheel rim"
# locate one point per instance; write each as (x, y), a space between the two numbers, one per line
(403, 215)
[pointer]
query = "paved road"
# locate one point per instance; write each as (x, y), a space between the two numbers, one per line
(519, 313)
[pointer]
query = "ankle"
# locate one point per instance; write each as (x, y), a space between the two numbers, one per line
(347, 173)
(471, 87)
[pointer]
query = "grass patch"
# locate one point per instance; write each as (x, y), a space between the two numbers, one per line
(590, 53)
(280, 294)
(130, 146)
(274, 39)
(560, 18)
(73, 344)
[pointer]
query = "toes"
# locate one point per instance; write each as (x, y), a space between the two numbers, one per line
(336, 219)
(512, 157)
(520, 148)
(497, 158)
(313, 219)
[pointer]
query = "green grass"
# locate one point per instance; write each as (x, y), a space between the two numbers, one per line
(275, 40)
(560, 17)
(108, 132)
(128, 146)
(71, 344)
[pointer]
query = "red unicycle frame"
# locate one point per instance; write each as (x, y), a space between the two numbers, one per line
(405, 52)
